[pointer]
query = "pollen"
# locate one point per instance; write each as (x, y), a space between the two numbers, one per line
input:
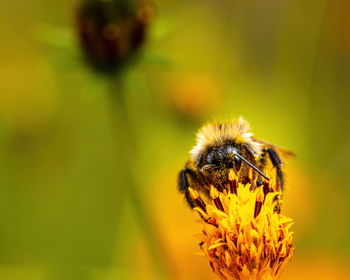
(197, 199)
(231, 175)
(251, 178)
(242, 236)
(232, 178)
(193, 193)
(215, 196)
(259, 202)
(250, 175)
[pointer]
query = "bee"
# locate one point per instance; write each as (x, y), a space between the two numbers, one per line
(225, 150)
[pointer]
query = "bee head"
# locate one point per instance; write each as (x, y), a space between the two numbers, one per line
(224, 157)
(220, 157)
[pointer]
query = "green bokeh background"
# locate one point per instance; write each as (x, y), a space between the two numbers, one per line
(283, 65)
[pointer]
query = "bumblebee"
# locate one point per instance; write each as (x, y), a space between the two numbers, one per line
(225, 150)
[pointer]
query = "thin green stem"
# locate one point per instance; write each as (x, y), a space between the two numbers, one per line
(127, 151)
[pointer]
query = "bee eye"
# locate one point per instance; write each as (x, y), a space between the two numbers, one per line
(214, 157)
(238, 163)
(211, 157)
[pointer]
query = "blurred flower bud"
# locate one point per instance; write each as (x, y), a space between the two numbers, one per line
(111, 31)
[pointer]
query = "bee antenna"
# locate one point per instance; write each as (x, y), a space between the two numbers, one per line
(252, 166)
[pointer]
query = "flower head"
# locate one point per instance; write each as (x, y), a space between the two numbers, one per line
(244, 236)
(110, 31)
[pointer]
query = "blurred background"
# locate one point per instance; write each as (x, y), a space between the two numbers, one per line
(66, 210)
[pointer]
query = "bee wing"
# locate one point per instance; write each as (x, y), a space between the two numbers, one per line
(284, 152)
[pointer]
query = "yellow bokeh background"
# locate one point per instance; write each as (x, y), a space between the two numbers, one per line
(282, 65)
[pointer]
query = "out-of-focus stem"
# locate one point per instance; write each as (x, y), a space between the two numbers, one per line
(127, 151)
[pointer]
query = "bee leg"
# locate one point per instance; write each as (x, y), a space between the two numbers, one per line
(277, 163)
(183, 184)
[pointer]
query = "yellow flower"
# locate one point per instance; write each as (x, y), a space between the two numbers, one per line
(243, 235)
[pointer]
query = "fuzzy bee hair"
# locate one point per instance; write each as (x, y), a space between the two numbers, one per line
(218, 133)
